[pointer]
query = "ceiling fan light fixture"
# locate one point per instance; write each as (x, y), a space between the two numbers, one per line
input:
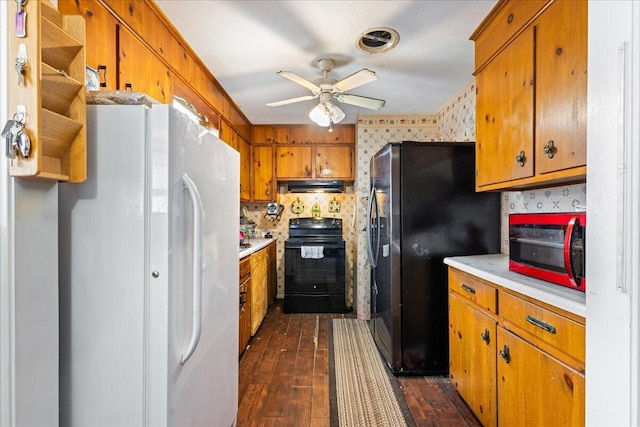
(378, 40)
(320, 115)
(326, 113)
(335, 113)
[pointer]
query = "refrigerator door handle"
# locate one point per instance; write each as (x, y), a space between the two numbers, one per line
(197, 267)
(372, 261)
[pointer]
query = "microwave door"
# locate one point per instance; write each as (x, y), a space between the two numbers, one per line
(574, 252)
(568, 264)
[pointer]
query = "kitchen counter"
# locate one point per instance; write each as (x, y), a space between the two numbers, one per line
(256, 245)
(495, 269)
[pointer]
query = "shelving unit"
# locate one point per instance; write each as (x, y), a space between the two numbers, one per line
(53, 93)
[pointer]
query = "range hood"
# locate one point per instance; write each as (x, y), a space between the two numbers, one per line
(315, 186)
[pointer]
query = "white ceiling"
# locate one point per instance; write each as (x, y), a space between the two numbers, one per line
(244, 44)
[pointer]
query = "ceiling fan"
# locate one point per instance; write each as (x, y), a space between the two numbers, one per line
(326, 88)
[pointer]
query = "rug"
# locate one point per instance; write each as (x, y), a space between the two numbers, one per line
(363, 392)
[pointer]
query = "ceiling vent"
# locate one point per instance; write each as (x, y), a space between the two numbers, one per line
(378, 40)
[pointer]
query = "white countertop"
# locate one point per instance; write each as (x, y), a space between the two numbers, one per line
(495, 269)
(256, 245)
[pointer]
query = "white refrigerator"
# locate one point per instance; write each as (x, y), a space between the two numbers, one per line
(149, 274)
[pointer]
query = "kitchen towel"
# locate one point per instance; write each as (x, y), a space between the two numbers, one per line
(313, 252)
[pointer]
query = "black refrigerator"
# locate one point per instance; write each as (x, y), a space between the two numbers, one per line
(422, 208)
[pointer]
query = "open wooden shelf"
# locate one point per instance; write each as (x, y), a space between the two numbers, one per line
(61, 90)
(53, 94)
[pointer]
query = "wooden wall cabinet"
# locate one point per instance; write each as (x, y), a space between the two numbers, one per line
(101, 36)
(514, 360)
(139, 70)
(263, 184)
(245, 169)
(140, 47)
(302, 134)
(244, 319)
(51, 93)
(294, 162)
(531, 78)
(315, 162)
(334, 162)
(300, 152)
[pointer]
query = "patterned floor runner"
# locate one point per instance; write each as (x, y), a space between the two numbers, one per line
(362, 390)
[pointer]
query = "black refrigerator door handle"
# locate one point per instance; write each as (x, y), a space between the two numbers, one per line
(372, 196)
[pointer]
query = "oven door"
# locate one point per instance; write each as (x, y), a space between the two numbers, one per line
(314, 284)
(549, 247)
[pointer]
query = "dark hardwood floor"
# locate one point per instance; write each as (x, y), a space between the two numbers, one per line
(284, 378)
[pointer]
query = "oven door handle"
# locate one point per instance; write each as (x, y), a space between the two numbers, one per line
(339, 245)
(568, 262)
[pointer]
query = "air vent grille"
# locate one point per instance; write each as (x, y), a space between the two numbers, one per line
(378, 40)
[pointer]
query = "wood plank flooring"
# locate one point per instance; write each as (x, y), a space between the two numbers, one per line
(284, 378)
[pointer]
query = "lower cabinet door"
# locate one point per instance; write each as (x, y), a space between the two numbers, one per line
(472, 349)
(535, 389)
(244, 320)
(258, 289)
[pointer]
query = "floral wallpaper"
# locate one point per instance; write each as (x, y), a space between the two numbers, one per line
(457, 119)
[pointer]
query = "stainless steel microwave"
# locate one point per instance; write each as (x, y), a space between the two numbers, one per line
(549, 246)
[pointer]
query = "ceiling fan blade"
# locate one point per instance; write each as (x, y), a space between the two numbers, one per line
(300, 80)
(291, 100)
(356, 79)
(360, 101)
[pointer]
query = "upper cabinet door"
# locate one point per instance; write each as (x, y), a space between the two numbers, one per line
(504, 109)
(263, 184)
(561, 87)
(245, 169)
(101, 48)
(294, 162)
(141, 71)
(335, 162)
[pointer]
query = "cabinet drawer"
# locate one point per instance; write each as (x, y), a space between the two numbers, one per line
(245, 266)
(561, 332)
(503, 25)
(474, 290)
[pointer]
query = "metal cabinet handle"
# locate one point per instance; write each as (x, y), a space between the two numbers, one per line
(485, 336)
(468, 288)
(197, 267)
(521, 158)
(243, 301)
(549, 149)
(504, 353)
(102, 70)
(541, 324)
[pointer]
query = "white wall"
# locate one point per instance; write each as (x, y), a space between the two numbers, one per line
(613, 212)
